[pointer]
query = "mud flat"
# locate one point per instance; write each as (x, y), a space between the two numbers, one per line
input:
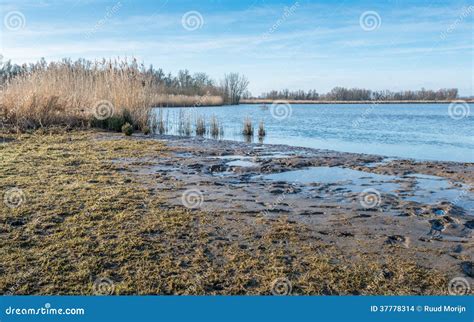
(170, 215)
(358, 202)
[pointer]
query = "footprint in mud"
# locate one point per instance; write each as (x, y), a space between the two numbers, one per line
(398, 240)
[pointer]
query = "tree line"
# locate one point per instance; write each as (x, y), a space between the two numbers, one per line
(360, 94)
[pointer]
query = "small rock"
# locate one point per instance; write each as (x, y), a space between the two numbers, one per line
(458, 249)
(398, 240)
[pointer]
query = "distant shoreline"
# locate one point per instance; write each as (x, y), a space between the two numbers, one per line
(269, 101)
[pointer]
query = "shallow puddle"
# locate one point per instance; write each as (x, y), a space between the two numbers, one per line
(241, 163)
(353, 180)
(424, 189)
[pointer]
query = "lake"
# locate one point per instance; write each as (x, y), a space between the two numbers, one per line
(418, 131)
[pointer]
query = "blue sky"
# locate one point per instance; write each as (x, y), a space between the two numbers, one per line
(277, 44)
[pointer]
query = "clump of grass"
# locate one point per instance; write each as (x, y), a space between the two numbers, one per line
(127, 129)
(162, 123)
(261, 129)
(215, 127)
(146, 130)
(200, 126)
(187, 126)
(248, 127)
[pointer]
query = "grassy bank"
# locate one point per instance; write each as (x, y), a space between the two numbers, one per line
(72, 216)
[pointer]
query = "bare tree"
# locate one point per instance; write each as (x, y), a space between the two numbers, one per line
(233, 86)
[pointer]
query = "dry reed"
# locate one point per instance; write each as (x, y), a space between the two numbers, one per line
(248, 127)
(103, 94)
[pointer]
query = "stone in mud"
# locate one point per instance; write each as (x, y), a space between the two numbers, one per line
(467, 268)
(398, 240)
(195, 166)
(437, 226)
(458, 249)
(217, 168)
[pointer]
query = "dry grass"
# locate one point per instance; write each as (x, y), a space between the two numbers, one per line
(216, 129)
(104, 94)
(200, 126)
(86, 217)
(248, 127)
(261, 129)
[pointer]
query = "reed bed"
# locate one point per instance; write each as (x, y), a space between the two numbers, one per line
(261, 130)
(216, 128)
(104, 94)
(248, 129)
(200, 126)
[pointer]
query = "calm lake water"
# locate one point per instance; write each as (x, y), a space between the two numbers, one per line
(419, 131)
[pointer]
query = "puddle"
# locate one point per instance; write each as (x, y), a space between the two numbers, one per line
(425, 189)
(380, 163)
(353, 180)
(232, 157)
(275, 155)
(241, 163)
(432, 189)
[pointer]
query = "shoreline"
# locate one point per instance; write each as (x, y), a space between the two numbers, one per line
(270, 101)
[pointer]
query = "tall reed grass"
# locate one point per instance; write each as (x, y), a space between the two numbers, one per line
(248, 127)
(104, 94)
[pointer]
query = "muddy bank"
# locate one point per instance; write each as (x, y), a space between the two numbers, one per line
(88, 212)
(355, 201)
